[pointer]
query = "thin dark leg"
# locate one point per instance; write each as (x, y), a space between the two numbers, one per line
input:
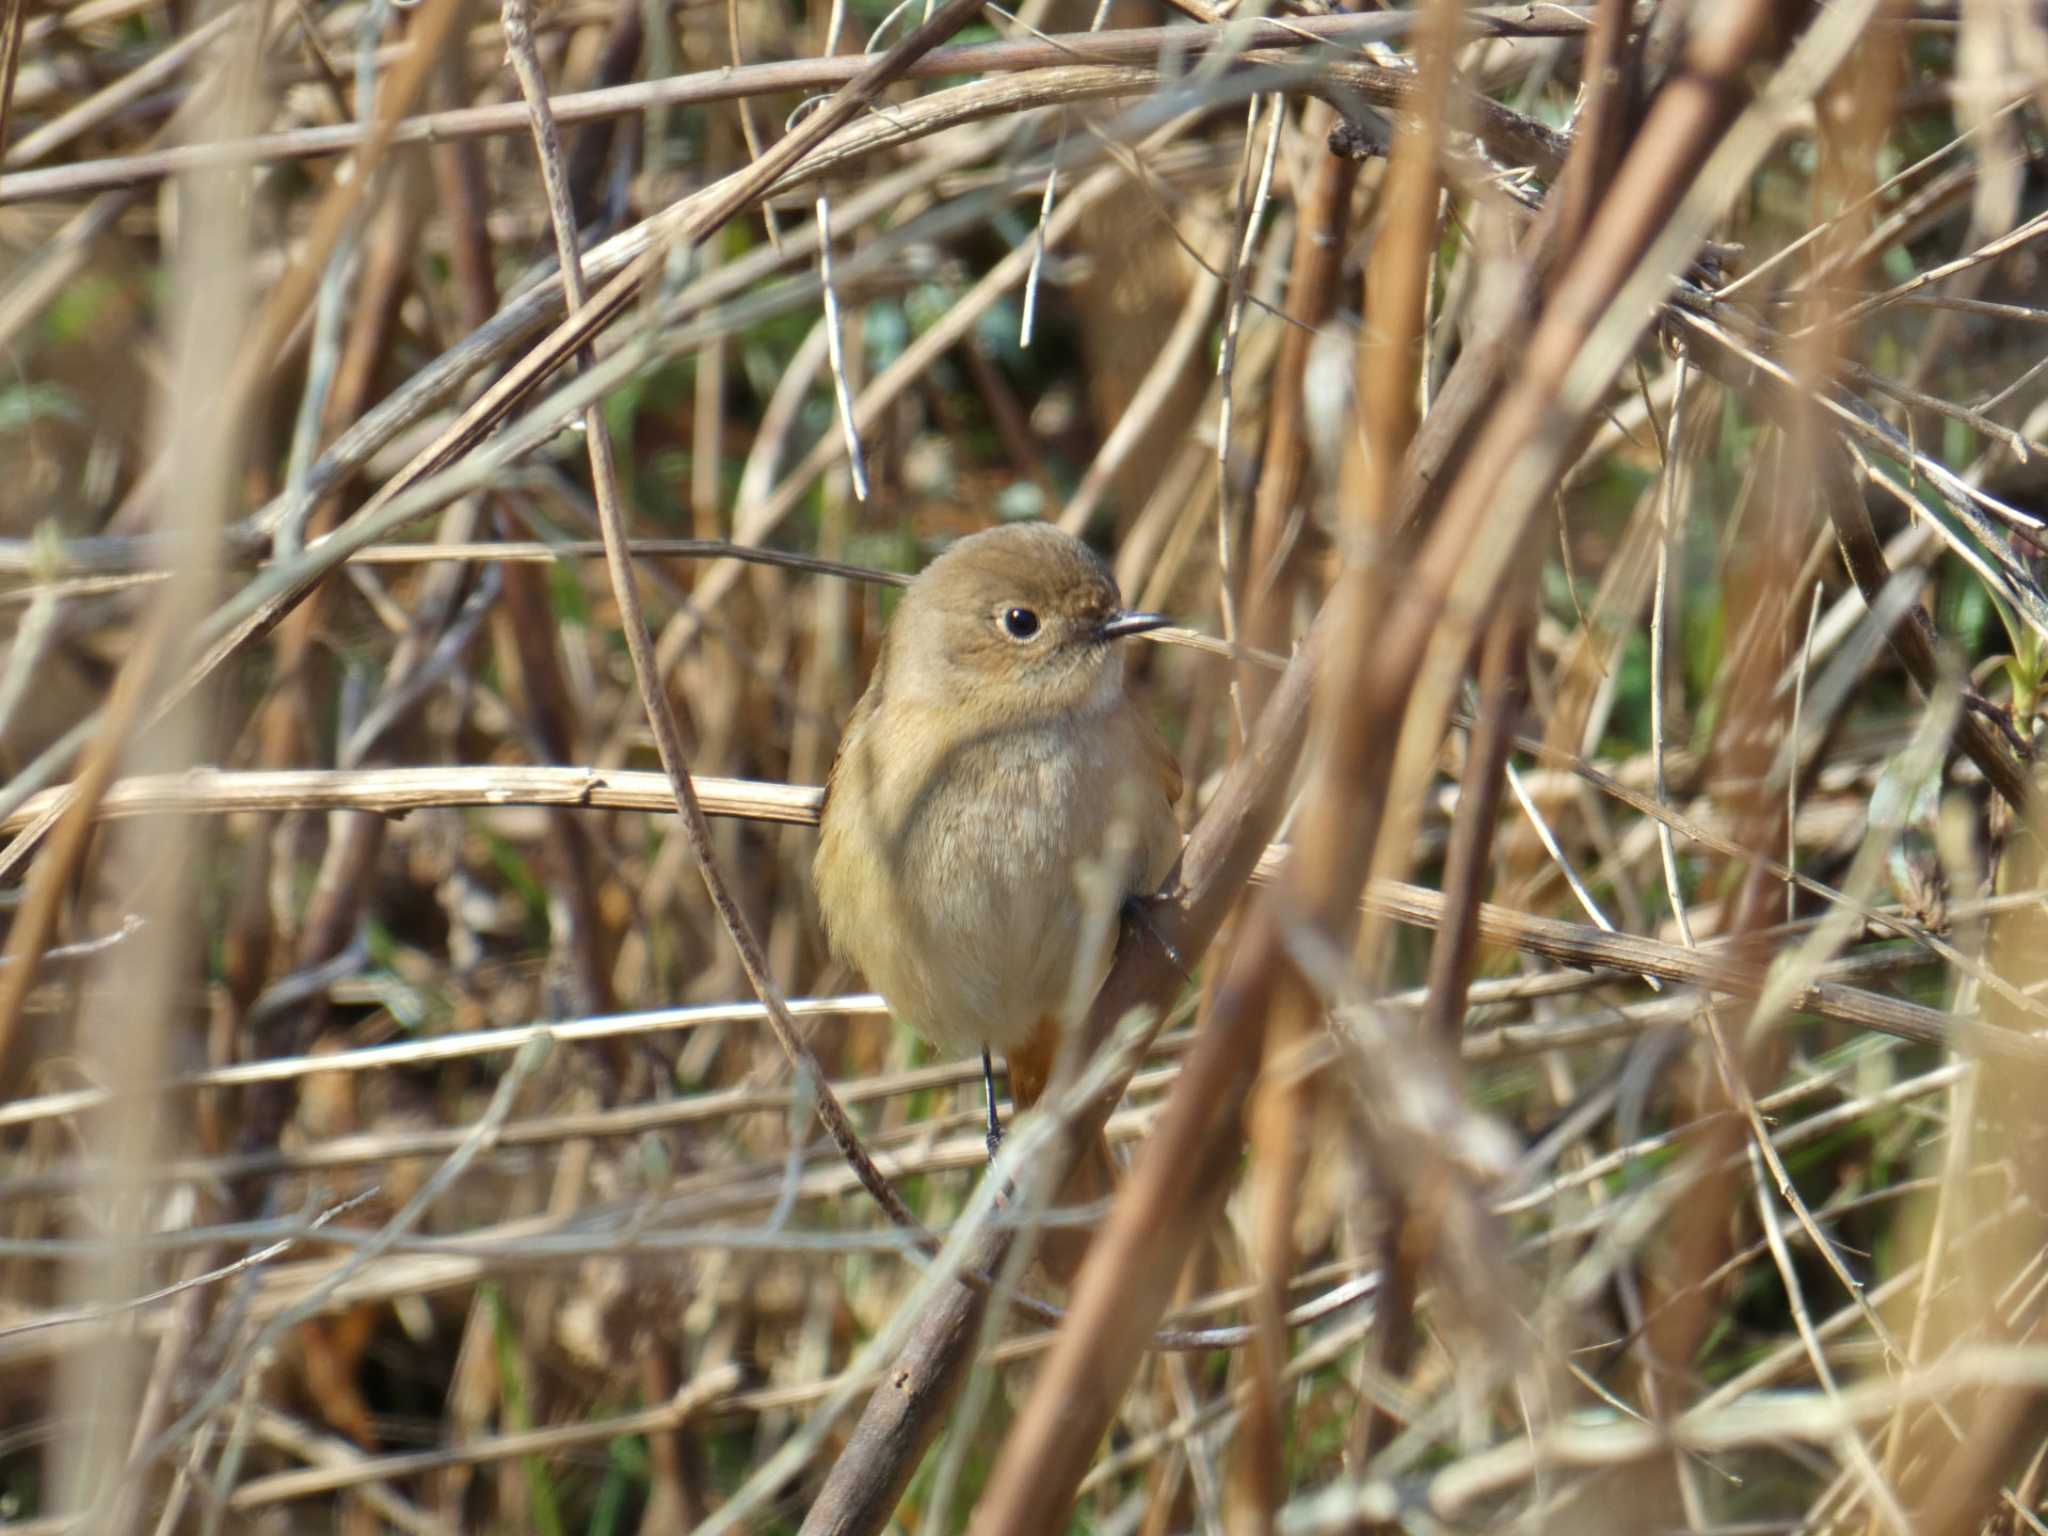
(988, 1086)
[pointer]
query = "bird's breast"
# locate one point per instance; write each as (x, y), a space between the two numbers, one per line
(998, 826)
(973, 922)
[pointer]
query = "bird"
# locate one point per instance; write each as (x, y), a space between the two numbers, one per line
(997, 754)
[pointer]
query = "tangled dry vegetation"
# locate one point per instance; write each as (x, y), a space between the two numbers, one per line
(1589, 1072)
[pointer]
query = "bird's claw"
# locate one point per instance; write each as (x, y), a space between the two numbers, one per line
(1138, 913)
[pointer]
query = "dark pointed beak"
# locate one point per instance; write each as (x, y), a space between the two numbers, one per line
(1118, 625)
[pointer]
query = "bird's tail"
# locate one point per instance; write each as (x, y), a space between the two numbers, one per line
(1093, 1176)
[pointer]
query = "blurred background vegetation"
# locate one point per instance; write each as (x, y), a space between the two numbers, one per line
(595, 1289)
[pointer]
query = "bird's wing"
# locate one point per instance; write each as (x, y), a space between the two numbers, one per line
(1161, 830)
(1160, 759)
(870, 700)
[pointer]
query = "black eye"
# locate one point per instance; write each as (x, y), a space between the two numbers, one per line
(1020, 623)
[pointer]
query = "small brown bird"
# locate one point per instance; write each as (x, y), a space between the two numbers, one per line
(993, 756)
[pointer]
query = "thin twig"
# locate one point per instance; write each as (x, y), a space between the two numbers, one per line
(625, 591)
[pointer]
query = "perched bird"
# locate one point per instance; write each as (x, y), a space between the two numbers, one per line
(996, 755)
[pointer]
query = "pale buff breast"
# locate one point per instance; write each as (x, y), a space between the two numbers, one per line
(955, 890)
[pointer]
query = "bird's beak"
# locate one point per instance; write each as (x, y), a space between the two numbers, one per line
(1118, 625)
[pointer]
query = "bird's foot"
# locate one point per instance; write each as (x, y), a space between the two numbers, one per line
(1138, 912)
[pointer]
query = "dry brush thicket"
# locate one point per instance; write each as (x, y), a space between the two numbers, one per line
(1588, 1073)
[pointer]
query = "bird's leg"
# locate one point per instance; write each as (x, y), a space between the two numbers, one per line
(988, 1086)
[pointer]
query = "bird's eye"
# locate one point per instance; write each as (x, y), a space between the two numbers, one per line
(1020, 623)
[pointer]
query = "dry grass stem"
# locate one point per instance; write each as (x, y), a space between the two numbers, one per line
(1587, 1069)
